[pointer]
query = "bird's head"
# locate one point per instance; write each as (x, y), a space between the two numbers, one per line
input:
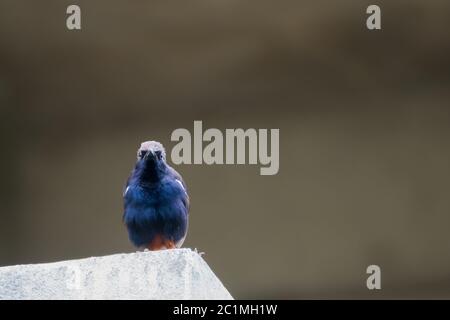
(151, 152)
(151, 161)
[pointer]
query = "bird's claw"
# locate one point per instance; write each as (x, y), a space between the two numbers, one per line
(200, 253)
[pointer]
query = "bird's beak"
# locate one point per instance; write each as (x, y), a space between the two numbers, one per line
(150, 154)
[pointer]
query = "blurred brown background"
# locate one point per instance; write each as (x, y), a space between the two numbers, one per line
(364, 136)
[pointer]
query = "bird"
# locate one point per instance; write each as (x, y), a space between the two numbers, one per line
(156, 201)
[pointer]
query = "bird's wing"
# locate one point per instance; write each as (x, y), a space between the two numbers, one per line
(186, 202)
(125, 188)
(180, 180)
(178, 177)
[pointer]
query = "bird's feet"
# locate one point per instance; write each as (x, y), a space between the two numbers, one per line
(169, 244)
(159, 243)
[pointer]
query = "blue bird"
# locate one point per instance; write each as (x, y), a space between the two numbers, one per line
(156, 203)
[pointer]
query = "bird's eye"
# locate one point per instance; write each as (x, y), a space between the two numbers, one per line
(142, 154)
(158, 154)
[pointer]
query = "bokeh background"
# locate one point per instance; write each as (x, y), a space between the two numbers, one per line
(364, 120)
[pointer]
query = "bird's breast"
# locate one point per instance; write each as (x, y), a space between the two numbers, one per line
(157, 194)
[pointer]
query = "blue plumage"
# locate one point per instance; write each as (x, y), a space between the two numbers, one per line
(156, 203)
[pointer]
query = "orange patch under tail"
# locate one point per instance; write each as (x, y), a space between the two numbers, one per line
(159, 243)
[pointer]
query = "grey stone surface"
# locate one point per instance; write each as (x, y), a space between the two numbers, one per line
(169, 274)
